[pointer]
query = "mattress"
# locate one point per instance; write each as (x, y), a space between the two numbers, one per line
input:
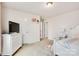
(67, 47)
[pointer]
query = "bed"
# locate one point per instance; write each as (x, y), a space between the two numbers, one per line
(67, 47)
(69, 44)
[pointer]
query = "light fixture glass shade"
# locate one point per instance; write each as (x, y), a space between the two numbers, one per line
(49, 4)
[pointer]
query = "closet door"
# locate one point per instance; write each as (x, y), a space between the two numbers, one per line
(0, 28)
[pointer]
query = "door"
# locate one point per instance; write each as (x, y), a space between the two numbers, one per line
(42, 29)
(31, 32)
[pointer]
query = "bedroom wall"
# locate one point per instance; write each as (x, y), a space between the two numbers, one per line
(29, 29)
(61, 22)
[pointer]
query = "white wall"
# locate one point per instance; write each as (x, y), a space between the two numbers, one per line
(28, 29)
(0, 28)
(58, 23)
(46, 29)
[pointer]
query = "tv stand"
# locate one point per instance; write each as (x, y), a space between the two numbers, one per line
(11, 43)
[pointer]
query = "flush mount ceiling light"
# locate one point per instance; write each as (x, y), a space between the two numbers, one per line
(49, 4)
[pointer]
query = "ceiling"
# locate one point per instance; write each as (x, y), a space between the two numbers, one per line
(39, 8)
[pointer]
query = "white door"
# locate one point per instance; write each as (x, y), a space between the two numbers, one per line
(36, 32)
(31, 32)
(27, 32)
(42, 30)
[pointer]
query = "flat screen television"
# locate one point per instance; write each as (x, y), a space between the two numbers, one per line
(13, 27)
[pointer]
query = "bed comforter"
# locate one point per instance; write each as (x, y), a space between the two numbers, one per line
(67, 47)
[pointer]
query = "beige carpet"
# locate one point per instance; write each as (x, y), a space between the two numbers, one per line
(41, 48)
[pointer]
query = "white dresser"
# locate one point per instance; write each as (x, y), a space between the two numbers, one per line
(11, 42)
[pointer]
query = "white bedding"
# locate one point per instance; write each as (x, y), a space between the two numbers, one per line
(67, 47)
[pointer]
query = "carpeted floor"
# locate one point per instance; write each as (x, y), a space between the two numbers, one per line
(41, 48)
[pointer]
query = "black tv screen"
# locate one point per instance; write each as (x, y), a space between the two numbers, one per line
(13, 27)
